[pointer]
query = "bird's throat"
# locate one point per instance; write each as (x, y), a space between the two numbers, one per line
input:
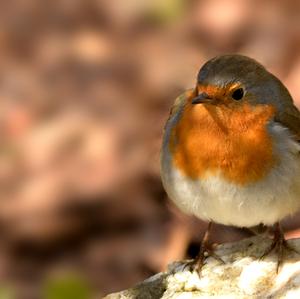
(231, 141)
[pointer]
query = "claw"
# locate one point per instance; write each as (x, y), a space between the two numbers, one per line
(279, 244)
(204, 253)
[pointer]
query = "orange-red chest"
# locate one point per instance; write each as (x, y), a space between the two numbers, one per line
(233, 141)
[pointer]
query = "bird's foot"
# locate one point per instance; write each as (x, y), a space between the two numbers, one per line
(197, 263)
(279, 245)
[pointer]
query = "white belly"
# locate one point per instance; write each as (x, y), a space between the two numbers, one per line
(216, 199)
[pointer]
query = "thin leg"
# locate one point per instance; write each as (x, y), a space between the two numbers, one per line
(204, 252)
(279, 244)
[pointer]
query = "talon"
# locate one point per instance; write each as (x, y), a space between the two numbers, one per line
(279, 244)
(205, 252)
(215, 256)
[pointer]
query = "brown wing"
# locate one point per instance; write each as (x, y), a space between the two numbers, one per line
(287, 113)
(290, 118)
(179, 101)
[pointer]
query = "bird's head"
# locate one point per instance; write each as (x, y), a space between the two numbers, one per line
(235, 80)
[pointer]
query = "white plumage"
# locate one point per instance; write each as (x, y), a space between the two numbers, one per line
(216, 199)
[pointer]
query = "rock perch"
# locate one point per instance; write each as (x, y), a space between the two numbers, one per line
(243, 276)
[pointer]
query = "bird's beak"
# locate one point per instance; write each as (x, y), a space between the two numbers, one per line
(202, 98)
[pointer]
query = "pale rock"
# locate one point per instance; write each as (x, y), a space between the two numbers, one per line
(243, 275)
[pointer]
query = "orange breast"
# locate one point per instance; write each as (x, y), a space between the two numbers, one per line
(234, 141)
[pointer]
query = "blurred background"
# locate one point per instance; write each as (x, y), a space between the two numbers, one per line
(85, 89)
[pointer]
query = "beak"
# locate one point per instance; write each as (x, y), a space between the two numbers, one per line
(202, 98)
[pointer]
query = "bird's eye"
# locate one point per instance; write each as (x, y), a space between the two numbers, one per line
(238, 94)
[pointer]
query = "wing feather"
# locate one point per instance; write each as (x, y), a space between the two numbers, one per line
(290, 118)
(179, 102)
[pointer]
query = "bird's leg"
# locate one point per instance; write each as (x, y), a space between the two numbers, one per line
(279, 244)
(205, 251)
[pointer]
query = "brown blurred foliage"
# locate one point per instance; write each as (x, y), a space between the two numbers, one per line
(85, 88)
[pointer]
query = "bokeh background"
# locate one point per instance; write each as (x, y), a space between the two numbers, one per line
(85, 89)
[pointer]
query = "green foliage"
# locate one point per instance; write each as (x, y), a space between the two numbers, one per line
(70, 287)
(166, 11)
(6, 293)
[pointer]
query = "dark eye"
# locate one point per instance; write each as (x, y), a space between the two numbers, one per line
(238, 94)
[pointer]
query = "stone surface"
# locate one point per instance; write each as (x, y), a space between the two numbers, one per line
(244, 275)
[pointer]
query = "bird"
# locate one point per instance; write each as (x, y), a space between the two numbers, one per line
(230, 151)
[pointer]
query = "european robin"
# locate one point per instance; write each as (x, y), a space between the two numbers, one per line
(230, 150)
